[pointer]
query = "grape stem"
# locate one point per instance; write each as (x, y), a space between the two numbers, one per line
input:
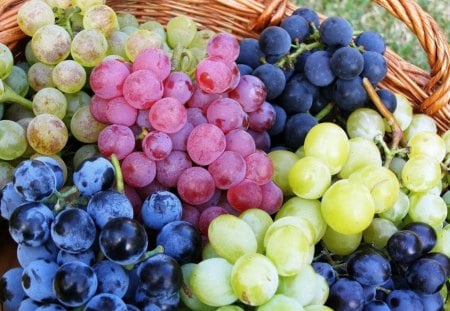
(178, 57)
(324, 112)
(120, 186)
(289, 59)
(10, 96)
(157, 250)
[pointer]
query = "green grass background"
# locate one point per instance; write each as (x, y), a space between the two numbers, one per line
(365, 15)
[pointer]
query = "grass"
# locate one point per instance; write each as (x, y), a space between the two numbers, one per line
(365, 15)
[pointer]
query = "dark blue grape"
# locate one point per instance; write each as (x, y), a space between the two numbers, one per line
(274, 41)
(181, 240)
(375, 67)
(371, 41)
(318, 104)
(11, 290)
(310, 16)
(346, 295)
(272, 77)
(51, 307)
(10, 199)
(34, 180)
(272, 59)
(376, 305)
(425, 232)
(350, 95)
(249, 53)
(93, 175)
(56, 168)
(404, 246)
(317, 69)
(325, 270)
(280, 121)
(442, 259)
(108, 204)
(133, 285)
(402, 300)
(245, 69)
(370, 293)
(37, 280)
(149, 301)
(74, 284)
(426, 276)
(297, 27)
(313, 89)
(388, 98)
(28, 305)
(112, 278)
(299, 64)
(297, 126)
(160, 208)
(27, 254)
(123, 241)
(105, 302)
(295, 98)
(433, 302)
(347, 63)
(87, 257)
(336, 31)
(368, 268)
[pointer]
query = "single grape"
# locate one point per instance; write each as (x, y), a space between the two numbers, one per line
(116, 44)
(108, 204)
(371, 41)
(13, 141)
(50, 100)
(213, 75)
(108, 77)
(89, 47)
(69, 76)
(92, 175)
(195, 185)
(17, 80)
(34, 15)
(379, 232)
(240, 141)
(309, 178)
(350, 94)
(140, 40)
(34, 180)
(420, 173)
(181, 31)
(116, 139)
(427, 208)
(51, 44)
(161, 208)
(11, 290)
(40, 76)
(102, 18)
(239, 199)
(37, 280)
(296, 129)
(112, 278)
(404, 246)
(47, 134)
(301, 286)
(167, 115)
(142, 89)
(345, 294)
(84, 127)
(375, 67)
(347, 63)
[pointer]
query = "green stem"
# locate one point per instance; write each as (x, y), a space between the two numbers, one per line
(10, 96)
(157, 250)
(177, 57)
(324, 112)
(120, 186)
(290, 58)
(190, 61)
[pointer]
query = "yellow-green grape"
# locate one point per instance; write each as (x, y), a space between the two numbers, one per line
(446, 198)
(282, 303)
(396, 166)
(403, 113)
(446, 138)
(40, 76)
(428, 208)
(329, 143)
(140, 40)
(13, 141)
(181, 31)
(420, 122)
(51, 44)
(60, 4)
(317, 308)
(443, 241)
(379, 232)
(341, 244)
(288, 248)
(209, 252)
(75, 101)
(254, 279)
(69, 76)
(116, 44)
(6, 173)
(282, 160)
(230, 308)
(89, 47)
(222, 233)
(102, 18)
(126, 19)
(84, 5)
(301, 223)
(322, 291)
(201, 39)
(421, 173)
(129, 29)
(365, 122)
(154, 26)
(300, 152)
(399, 210)
(50, 101)
(382, 184)
(301, 287)
(84, 127)
(186, 295)
(6, 61)
(18, 81)
(47, 134)
(83, 153)
(362, 152)
(429, 144)
(33, 15)
(2, 92)
(24, 124)
(348, 207)
(307, 209)
(259, 220)
(309, 178)
(210, 281)
(29, 55)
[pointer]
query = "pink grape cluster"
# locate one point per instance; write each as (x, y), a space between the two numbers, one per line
(207, 139)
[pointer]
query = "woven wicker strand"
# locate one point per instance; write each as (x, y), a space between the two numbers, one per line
(428, 92)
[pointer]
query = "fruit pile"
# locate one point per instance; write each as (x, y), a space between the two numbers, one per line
(161, 167)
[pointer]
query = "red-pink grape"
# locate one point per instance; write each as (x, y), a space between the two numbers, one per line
(272, 198)
(157, 145)
(97, 108)
(178, 85)
(250, 93)
(227, 114)
(263, 118)
(207, 216)
(259, 167)
(168, 115)
(245, 195)
(213, 75)
(169, 170)
(205, 143)
(116, 139)
(154, 60)
(228, 170)
(138, 170)
(224, 46)
(141, 89)
(107, 78)
(241, 142)
(195, 185)
(119, 112)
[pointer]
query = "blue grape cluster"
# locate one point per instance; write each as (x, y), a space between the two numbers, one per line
(91, 251)
(405, 275)
(307, 66)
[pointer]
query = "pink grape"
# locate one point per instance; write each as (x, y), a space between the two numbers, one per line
(245, 195)
(178, 85)
(263, 118)
(201, 99)
(227, 114)
(241, 142)
(179, 139)
(169, 170)
(205, 143)
(142, 119)
(224, 46)
(272, 198)
(259, 167)
(207, 216)
(250, 93)
(213, 75)
(168, 115)
(108, 77)
(141, 89)
(155, 60)
(262, 139)
(228, 170)
(116, 139)
(138, 170)
(157, 145)
(195, 116)
(119, 112)
(235, 76)
(195, 185)
(190, 214)
(98, 109)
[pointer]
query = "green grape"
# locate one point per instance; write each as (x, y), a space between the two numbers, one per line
(181, 31)
(399, 210)
(362, 152)
(446, 138)
(198, 53)
(420, 122)
(259, 220)
(33, 15)
(24, 124)
(51, 44)
(254, 279)
(307, 209)
(102, 18)
(396, 166)
(60, 4)
(129, 30)
(6, 61)
(282, 161)
(301, 286)
(429, 144)
(288, 248)
(341, 244)
(201, 39)
(84, 5)
(186, 295)
(281, 303)
(428, 208)
(29, 54)
(89, 47)
(366, 123)
(18, 81)
(231, 237)
(69, 76)
(210, 281)
(329, 143)
(16, 112)
(403, 114)
(209, 252)
(116, 44)
(126, 19)
(379, 232)
(309, 178)
(443, 241)
(348, 207)
(75, 101)
(300, 152)
(50, 101)
(47, 134)
(382, 184)
(84, 127)
(230, 308)
(13, 141)
(40, 76)
(322, 291)
(301, 223)
(154, 26)
(317, 308)
(6, 173)
(421, 173)
(83, 153)
(140, 40)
